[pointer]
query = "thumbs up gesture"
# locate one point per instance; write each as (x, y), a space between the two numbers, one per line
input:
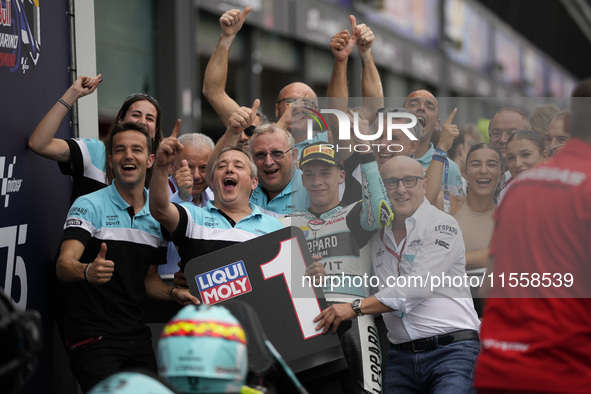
(184, 179)
(100, 271)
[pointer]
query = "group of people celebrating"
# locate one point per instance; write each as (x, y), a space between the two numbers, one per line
(388, 214)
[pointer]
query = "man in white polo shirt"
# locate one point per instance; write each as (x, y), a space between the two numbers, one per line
(433, 330)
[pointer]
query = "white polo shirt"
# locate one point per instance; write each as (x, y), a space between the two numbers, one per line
(432, 252)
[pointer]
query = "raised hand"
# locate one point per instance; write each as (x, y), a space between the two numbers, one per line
(243, 117)
(365, 35)
(169, 148)
(184, 180)
(85, 85)
(449, 132)
(231, 22)
(101, 270)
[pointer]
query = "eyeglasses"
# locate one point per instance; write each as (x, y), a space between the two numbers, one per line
(301, 102)
(143, 95)
(275, 155)
(497, 134)
(407, 181)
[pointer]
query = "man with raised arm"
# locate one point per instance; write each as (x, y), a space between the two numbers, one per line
(425, 107)
(294, 97)
(227, 219)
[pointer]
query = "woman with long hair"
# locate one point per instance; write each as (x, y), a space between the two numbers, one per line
(474, 212)
(85, 159)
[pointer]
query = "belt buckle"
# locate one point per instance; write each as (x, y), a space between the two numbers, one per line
(412, 343)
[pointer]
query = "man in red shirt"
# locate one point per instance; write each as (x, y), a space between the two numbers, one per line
(536, 328)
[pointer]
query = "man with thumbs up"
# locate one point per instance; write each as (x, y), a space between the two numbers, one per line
(109, 255)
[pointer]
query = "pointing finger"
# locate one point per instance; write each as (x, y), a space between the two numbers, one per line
(177, 128)
(451, 116)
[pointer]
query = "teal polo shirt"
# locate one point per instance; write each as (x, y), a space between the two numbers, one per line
(293, 198)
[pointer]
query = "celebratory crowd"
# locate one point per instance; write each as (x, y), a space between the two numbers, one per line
(442, 202)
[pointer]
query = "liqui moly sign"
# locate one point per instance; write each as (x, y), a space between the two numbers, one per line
(223, 283)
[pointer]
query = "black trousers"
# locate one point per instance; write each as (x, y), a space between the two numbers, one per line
(91, 364)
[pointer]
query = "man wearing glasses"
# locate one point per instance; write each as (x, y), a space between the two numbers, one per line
(432, 329)
(294, 97)
(280, 188)
(293, 107)
(506, 122)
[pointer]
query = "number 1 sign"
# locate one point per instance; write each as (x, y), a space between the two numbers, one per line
(267, 273)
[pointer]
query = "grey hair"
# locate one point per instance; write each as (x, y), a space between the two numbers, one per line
(196, 140)
(269, 128)
(558, 115)
(523, 115)
(253, 167)
(416, 130)
(262, 118)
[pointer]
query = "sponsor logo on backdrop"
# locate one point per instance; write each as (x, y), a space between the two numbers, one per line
(8, 183)
(20, 35)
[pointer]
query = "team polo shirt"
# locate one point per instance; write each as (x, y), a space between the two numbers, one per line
(293, 198)
(204, 230)
(542, 226)
(454, 178)
(133, 243)
(87, 165)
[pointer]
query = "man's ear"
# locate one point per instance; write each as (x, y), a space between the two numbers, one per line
(294, 156)
(110, 160)
(255, 183)
(150, 160)
(413, 147)
(342, 176)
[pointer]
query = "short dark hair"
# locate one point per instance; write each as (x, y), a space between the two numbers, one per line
(127, 126)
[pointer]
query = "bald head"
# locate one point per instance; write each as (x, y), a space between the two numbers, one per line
(401, 165)
(422, 104)
(406, 187)
(293, 90)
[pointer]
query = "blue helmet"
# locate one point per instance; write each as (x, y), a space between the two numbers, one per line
(203, 350)
(130, 383)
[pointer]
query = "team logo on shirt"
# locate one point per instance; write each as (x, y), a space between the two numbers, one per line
(223, 283)
(442, 243)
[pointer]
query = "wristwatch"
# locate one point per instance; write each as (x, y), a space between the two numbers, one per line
(356, 305)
